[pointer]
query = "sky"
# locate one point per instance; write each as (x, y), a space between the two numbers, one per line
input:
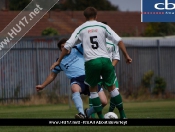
(127, 5)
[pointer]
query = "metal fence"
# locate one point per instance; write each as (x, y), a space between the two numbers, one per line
(28, 63)
(148, 54)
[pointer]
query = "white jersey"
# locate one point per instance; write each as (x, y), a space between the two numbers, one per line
(93, 36)
(113, 50)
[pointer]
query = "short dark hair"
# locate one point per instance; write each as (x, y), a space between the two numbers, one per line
(90, 12)
(62, 41)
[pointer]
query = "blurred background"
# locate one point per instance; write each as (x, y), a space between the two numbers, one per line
(151, 46)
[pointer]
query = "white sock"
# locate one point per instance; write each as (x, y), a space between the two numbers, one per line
(114, 93)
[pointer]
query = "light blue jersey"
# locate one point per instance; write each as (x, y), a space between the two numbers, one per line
(73, 63)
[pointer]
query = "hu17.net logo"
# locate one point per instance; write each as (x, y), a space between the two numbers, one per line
(158, 10)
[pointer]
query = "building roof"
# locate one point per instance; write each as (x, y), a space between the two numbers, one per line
(123, 23)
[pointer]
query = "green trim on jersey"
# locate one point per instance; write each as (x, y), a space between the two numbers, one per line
(111, 44)
(92, 26)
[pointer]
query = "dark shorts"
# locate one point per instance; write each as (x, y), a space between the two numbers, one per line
(84, 87)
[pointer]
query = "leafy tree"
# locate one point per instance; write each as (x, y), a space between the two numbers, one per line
(147, 79)
(160, 85)
(159, 82)
(159, 29)
(18, 5)
(49, 32)
(68, 5)
(83, 4)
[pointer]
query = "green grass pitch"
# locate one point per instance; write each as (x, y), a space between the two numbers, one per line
(149, 109)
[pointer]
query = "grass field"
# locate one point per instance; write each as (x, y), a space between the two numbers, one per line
(149, 109)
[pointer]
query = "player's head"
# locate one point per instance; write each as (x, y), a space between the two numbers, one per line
(90, 13)
(61, 43)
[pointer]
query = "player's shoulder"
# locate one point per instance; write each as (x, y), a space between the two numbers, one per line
(81, 26)
(101, 23)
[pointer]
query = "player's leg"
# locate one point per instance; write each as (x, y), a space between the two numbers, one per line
(96, 102)
(91, 112)
(102, 97)
(109, 78)
(77, 100)
(92, 71)
(112, 105)
(116, 101)
(119, 105)
(87, 92)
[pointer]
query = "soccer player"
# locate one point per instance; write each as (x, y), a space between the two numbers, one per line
(93, 36)
(115, 57)
(113, 51)
(73, 66)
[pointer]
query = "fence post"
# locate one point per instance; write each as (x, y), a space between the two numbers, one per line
(158, 56)
(37, 60)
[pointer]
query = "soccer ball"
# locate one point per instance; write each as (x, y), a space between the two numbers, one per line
(110, 115)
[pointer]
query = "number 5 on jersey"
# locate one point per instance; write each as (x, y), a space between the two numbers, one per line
(94, 42)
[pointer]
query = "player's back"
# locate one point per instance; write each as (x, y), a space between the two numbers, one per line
(93, 36)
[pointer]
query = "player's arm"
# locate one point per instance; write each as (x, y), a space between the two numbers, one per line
(114, 62)
(73, 39)
(48, 80)
(69, 44)
(111, 35)
(64, 52)
(123, 49)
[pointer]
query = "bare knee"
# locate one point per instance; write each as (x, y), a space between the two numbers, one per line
(75, 88)
(103, 98)
(111, 88)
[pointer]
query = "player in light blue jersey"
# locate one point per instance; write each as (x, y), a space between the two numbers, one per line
(73, 66)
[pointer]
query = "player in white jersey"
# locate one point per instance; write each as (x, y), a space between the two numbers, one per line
(93, 36)
(113, 51)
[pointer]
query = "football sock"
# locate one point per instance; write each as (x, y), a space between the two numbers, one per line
(112, 105)
(78, 102)
(97, 104)
(116, 101)
(91, 111)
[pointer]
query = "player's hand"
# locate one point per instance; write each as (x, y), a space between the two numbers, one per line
(128, 59)
(39, 88)
(54, 65)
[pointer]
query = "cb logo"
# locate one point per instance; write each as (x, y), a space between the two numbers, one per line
(165, 6)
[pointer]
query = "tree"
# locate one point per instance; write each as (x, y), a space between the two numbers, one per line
(159, 29)
(79, 5)
(18, 5)
(74, 5)
(160, 85)
(49, 32)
